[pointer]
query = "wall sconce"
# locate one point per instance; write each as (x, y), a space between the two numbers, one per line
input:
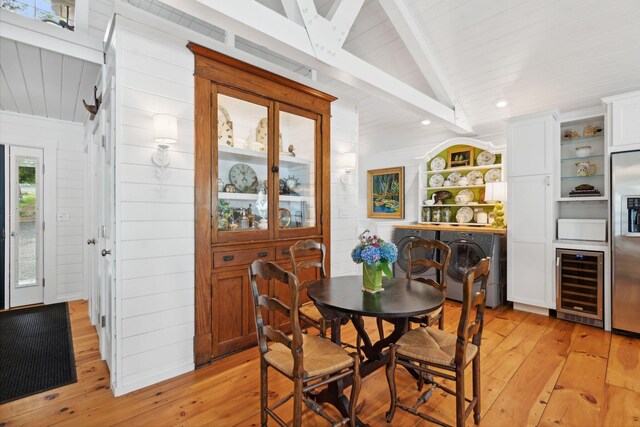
(497, 192)
(348, 163)
(165, 132)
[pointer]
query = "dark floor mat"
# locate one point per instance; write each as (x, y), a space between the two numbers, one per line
(36, 351)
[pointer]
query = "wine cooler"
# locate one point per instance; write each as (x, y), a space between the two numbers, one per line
(579, 284)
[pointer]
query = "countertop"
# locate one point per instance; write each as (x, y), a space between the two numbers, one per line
(452, 227)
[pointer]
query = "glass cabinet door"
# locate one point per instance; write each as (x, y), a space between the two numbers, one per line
(242, 173)
(297, 189)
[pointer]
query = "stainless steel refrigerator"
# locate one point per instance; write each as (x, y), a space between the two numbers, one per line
(625, 232)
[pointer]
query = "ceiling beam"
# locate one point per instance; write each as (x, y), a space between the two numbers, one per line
(256, 22)
(293, 11)
(418, 46)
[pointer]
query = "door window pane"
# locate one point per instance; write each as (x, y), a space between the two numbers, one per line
(27, 221)
(242, 129)
(297, 188)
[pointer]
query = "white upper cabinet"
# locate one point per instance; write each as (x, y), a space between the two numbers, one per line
(623, 116)
(530, 144)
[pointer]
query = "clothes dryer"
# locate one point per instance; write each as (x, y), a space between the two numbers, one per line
(466, 250)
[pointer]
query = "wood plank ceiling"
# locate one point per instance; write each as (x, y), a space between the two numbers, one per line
(40, 82)
(538, 55)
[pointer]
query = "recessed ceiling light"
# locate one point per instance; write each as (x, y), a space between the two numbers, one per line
(501, 103)
(426, 122)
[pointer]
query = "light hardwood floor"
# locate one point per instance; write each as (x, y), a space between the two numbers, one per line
(535, 371)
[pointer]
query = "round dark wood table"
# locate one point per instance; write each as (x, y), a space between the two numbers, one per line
(342, 298)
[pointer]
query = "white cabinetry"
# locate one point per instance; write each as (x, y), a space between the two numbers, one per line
(531, 141)
(529, 145)
(623, 119)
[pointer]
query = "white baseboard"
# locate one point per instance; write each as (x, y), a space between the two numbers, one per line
(531, 308)
(165, 375)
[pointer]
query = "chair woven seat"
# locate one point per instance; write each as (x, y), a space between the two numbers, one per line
(432, 346)
(311, 311)
(321, 357)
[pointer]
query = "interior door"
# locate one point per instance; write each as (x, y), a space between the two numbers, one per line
(26, 226)
(93, 253)
(106, 236)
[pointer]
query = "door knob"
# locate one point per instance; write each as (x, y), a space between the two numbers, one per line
(14, 234)
(106, 252)
(91, 242)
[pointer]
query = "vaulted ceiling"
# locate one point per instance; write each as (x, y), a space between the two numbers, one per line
(536, 54)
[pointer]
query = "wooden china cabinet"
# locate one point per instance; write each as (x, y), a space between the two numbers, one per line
(261, 183)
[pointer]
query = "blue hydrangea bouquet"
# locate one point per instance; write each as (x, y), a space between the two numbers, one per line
(376, 255)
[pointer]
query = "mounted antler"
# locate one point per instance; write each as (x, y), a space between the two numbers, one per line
(93, 109)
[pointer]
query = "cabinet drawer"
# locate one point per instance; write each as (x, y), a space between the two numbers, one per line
(282, 252)
(239, 257)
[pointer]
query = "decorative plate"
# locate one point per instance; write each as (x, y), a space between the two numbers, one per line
(243, 177)
(465, 194)
(436, 180)
(493, 175)
(454, 177)
(284, 217)
(464, 215)
(225, 128)
(486, 158)
(438, 163)
(473, 175)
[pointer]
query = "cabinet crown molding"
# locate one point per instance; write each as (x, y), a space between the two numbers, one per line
(485, 145)
(614, 98)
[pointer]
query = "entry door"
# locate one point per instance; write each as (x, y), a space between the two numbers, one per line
(105, 241)
(26, 226)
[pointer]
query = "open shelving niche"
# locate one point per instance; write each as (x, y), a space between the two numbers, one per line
(425, 191)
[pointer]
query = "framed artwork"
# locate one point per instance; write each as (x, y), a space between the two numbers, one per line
(461, 157)
(385, 193)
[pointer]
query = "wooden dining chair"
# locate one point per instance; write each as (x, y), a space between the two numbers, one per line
(441, 267)
(308, 360)
(426, 348)
(412, 262)
(309, 313)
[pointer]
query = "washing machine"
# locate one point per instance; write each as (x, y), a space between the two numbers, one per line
(402, 237)
(467, 248)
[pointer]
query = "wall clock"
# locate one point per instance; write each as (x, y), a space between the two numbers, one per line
(225, 128)
(243, 177)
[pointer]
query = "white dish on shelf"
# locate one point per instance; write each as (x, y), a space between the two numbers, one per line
(454, 177)
(464, 196)
(583, 151)
(464, 215)
(438, 163)
(473, 177)
(493, 175)
(436, 180)
(486, 158)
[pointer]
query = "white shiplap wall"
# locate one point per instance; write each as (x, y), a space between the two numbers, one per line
(65, 141)
(344, 200)
(154, 236)
(154, 232)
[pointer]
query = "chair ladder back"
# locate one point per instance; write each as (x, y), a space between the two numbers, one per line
(445, 256)
(307, 245)
(271, 271)
(468, 328)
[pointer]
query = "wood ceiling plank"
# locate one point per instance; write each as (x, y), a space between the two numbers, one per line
(10, 65)
(52, 77)
(32, 71)
(71, 76)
